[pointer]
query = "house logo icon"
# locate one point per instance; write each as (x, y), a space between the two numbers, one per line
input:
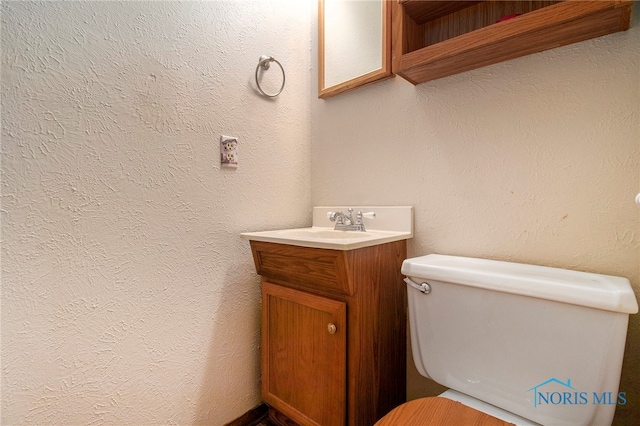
(557, 392)
(540, 396)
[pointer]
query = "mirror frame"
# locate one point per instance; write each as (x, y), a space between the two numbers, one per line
(379, 74)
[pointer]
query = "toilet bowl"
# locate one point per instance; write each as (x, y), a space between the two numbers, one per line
(514, 343)
(432, 411)
(450, 408)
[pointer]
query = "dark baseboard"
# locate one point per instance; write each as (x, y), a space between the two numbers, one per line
(279, 419)
(253, 417)
(262, 415)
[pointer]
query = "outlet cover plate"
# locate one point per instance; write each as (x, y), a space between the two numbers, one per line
(228, 151)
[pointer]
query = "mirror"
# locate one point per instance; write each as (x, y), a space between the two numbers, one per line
(354, 46)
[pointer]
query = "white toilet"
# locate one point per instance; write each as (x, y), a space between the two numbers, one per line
(519, 343)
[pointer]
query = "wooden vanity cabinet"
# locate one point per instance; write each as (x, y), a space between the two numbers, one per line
(333, 332)
(434, 39)
(304, 356)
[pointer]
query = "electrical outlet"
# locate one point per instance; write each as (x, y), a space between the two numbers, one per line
(228, 151)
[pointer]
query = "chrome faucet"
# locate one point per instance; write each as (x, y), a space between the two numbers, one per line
(346, 222)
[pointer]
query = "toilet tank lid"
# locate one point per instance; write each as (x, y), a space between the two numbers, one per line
(598, 291)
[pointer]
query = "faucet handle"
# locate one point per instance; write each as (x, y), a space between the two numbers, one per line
(360, 216)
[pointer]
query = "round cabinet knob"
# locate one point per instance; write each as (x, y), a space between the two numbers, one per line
(331, 328)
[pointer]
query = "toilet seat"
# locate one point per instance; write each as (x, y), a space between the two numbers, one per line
(437, 411)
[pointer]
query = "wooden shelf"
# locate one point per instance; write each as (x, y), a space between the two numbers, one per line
(425, 11)
(438, 39)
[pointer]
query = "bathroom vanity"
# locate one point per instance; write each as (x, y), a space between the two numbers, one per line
(333, 324)
(333, 331)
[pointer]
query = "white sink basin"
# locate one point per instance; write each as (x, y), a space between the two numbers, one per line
(398, 224)
(326, 237)
(323, 233)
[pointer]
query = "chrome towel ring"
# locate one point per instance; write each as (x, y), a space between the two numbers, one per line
(265, 63)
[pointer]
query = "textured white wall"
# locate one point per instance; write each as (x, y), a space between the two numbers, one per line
(534, 160)
(127, 295)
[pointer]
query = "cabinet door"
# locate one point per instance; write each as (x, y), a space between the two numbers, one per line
(304, 355)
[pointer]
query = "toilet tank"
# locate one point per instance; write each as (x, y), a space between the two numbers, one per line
(544, 343)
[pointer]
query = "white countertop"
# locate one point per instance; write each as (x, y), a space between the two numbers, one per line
(390, 224)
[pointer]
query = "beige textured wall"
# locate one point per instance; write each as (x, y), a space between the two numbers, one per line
(128, 296)
(533, 160)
